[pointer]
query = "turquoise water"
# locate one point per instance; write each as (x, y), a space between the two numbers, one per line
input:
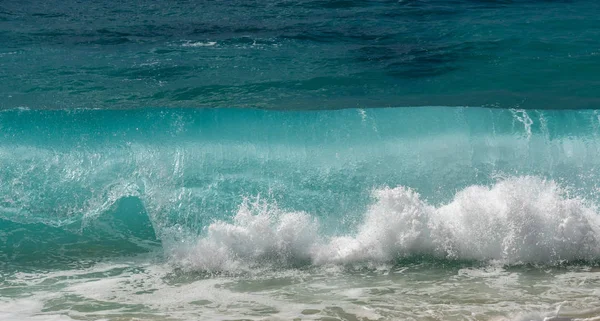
(306, 160)
(312, 214)
(299, 54)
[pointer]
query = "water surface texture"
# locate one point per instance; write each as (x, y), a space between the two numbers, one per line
(299, 54)
(299, 160)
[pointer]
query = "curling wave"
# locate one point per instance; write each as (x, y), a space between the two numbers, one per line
(123, 182)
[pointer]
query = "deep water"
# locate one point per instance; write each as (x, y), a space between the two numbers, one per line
(302, 54)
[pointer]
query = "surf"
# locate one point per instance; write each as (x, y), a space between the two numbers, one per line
(330, 183)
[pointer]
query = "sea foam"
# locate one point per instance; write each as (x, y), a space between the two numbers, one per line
(518, 220)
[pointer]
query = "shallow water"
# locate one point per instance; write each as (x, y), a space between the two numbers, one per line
(349, 214)
(408, 291)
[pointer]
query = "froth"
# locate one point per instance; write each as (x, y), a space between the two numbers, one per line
(27, 310)
(518, 220)
(260, 233)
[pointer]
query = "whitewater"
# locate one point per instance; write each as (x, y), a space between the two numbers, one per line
(355, 214)
(516, 221)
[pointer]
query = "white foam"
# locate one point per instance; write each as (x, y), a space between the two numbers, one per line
(199, 44)
(517, 220)
(260, 232)
(27, 310)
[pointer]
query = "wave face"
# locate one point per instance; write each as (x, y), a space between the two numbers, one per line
(231, 189)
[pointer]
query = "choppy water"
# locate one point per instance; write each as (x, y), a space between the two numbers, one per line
(126, 195)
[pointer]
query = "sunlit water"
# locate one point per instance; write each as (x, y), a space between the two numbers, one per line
(383, 214)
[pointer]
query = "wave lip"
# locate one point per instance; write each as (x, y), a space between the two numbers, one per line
(519, 220)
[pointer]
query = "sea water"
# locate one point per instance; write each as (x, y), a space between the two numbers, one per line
(299, 160)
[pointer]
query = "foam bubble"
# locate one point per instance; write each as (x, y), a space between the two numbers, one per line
(517, 220)
(260, 232)
(199, 44)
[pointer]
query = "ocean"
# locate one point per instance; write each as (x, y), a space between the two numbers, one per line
(300, 160)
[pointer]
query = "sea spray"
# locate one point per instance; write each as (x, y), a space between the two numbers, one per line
(519, 220)
(342, 213)
(479, 185)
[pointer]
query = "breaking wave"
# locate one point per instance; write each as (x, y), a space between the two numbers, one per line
(516, 221)
(487, 185)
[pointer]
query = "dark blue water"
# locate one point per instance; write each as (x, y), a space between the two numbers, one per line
(299, 54)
